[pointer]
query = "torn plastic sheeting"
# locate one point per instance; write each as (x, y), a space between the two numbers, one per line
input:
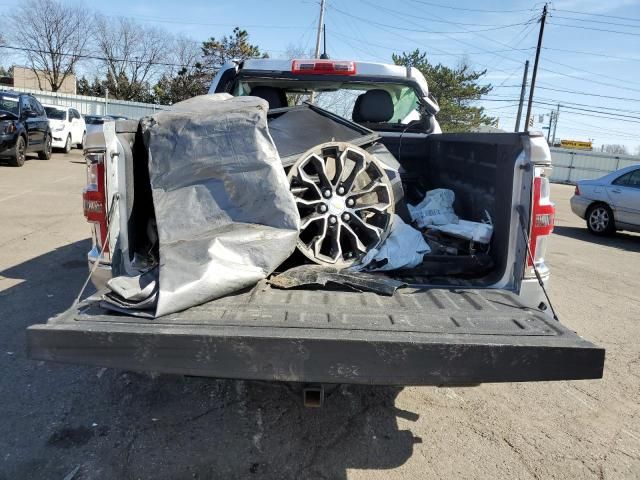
(225, 216)
(322, 275)
(476, 231)
(435, 209)
(403, 248)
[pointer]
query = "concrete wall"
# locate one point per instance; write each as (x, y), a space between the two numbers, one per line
(570, 166)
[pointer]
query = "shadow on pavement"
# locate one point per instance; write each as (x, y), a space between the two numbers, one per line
(4, 162)
(113, 424)
(620, 240)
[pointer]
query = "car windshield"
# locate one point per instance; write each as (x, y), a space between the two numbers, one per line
(55, 113)
(9, 103)
(340, 97)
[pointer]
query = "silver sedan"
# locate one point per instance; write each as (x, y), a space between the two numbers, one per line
(611, 202)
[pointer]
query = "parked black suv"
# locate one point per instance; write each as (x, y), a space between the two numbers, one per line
(23, 128)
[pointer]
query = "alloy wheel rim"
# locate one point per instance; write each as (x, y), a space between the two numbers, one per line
(599, 219)
(21, 151)
(345, 202)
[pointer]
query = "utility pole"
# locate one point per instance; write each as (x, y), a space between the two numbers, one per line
(535, 67)
(555, 126)
(522, 92)
(550, 123)
(320, 28)
(312, 98)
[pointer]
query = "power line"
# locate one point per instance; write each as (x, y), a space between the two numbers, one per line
(405, 29)
(439, 5)
(595, 21)
(578, 92)
(594, 113)
(430, 18)
(595, 29)
(451, 38)
(592, 73)
(396, 49)
(594, 54)
(590, 80)
(564, 102)
(597, 15)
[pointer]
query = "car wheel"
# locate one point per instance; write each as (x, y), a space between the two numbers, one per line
(600, 219)
(46, 153)
(19, 152)
(67, 145)
(81, 144)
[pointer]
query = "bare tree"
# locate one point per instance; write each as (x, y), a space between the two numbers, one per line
(133, 54)
(614, 149)
(53, 36)
(186, 53)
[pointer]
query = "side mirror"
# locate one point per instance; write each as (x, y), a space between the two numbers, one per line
(30, 114)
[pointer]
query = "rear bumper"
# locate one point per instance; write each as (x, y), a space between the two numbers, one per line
(579, 205)
(59, 139)
(7, 143)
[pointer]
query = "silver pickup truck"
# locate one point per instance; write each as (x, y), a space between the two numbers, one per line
(495, 327)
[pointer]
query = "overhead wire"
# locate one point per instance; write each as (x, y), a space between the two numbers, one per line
(594, 29)
(632, 19)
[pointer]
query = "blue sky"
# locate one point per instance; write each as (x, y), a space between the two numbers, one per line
(591, 46)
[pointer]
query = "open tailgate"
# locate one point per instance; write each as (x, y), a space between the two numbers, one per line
(415, 337)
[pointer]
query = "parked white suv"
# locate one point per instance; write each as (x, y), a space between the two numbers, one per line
(67, 127)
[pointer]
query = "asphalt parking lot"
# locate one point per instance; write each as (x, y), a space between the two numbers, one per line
(62, 421)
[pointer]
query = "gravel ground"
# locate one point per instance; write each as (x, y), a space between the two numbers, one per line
(94, 423)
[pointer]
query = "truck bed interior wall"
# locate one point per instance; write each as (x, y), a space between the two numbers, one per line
(479, 168)
(138, 191)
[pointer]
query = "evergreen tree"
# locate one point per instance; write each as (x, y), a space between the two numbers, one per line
(455, 89)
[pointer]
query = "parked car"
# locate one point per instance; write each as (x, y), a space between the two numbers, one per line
(611, 202)
(67, 127)
(23, 128)
(100, 119)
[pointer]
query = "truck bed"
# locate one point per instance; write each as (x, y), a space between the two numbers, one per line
(415, 337)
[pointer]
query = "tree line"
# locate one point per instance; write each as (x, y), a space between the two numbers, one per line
(132, 61)
(139, 62)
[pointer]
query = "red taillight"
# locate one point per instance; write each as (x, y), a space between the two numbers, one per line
(323, 67)
(577, 190)
(94, 198)
(542, 218)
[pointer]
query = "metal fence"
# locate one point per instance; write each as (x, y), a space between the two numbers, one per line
(570, 166)
(91, 105)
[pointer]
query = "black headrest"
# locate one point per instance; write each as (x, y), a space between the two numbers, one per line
(373, 106)
(355, 115)
(276, 97)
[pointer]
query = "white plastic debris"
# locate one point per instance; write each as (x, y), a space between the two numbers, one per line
(404, 248)
(476, 231)
(435, 209)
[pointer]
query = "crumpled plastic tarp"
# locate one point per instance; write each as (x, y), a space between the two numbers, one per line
(225, 216)
(403, 248)
(435, 209)
(476, 231)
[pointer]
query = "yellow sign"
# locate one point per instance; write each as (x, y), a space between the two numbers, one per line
(577, 144)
